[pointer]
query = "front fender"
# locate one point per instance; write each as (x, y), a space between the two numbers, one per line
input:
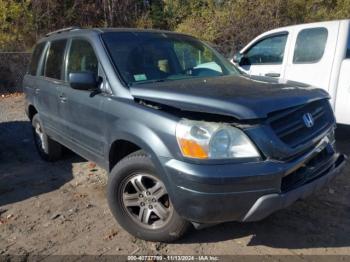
(141, 135)
(148, 140)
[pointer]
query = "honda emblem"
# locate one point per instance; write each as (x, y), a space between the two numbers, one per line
(308, 120)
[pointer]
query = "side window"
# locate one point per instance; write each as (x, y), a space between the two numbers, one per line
(310, 45)
(348, 47)
(54, 59)
(267, 51)
(82, 58)
(34, 62)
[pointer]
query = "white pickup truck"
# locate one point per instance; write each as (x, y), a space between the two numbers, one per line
(317, 54)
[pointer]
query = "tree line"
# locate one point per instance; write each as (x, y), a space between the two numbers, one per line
(228, 24)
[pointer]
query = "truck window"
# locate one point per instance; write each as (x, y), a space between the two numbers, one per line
(348, 47)
(33, 66)
(310, 45)
(54, 59)
(268, 51)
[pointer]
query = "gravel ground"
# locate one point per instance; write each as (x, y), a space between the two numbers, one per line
(60, 208)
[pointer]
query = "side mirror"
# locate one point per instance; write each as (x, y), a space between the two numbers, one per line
(237, 58)
(83, 81)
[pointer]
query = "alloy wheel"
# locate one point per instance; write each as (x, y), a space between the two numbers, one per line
(39, 137)
(146, 201)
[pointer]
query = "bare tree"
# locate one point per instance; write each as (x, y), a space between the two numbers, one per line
(122, 12)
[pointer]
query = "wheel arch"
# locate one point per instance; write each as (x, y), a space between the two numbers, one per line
(119, 149)
(125, 143)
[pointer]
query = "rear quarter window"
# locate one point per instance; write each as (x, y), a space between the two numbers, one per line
(35, 59)
(310, 45)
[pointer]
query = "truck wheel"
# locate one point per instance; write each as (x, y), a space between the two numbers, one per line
(140, 203)
(48, 149)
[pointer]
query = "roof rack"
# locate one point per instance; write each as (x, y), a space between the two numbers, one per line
(63, 30)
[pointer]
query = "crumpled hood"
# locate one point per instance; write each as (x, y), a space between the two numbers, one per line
(238, 96)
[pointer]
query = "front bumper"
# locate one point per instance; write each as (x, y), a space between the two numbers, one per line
(210, 194)
(270, 203)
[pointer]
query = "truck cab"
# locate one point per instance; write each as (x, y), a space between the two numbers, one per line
(317, 54)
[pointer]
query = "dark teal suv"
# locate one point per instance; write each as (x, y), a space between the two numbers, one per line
(187, 138)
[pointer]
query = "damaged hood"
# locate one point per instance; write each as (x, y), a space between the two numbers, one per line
(237, 96)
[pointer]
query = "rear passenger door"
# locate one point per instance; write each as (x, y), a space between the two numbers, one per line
(30, 81)
(80, 110)
(266, 56)
(47, 87)
(312, 57)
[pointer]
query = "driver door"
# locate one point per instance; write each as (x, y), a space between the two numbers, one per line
(81, 110)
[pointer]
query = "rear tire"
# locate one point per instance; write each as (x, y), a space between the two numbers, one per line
(48, 149)
(134, 185)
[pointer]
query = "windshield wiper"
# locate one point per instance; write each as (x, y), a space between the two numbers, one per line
(147, 82)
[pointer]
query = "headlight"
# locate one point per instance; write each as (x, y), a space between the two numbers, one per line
(206, 140)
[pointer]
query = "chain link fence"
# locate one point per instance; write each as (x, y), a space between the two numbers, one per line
(13, 66)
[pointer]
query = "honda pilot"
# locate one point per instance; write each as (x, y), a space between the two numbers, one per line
(188, 139)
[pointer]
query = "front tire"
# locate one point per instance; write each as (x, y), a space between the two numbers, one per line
(140, 203)
(48, 149)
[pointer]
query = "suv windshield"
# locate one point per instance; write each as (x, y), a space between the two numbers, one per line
(143, 57)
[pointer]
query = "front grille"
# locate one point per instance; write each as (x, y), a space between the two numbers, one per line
(290, 127)
(316, 167)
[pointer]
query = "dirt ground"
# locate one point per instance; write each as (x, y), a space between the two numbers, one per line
(60, 208)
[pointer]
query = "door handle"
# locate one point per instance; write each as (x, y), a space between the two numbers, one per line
(63, 98)
(273, 74)
(37, 91)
